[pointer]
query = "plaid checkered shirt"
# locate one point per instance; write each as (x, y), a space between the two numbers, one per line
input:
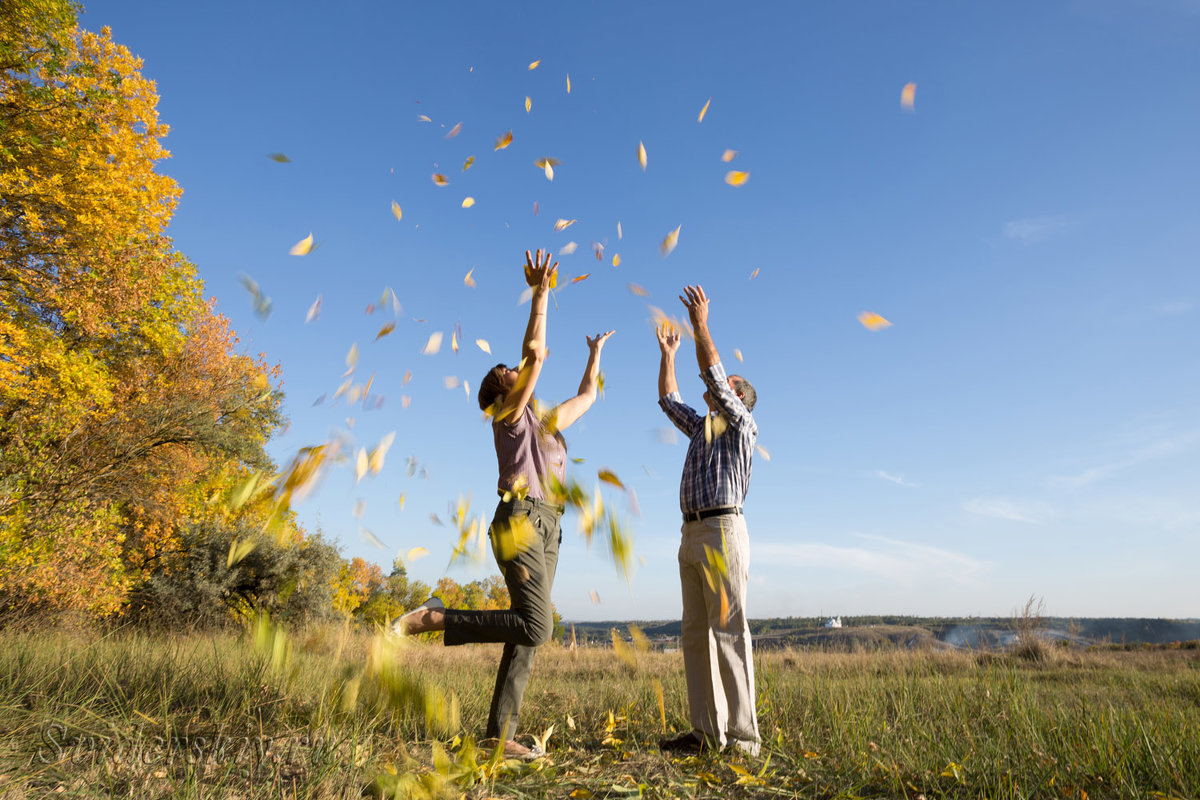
(716, 471)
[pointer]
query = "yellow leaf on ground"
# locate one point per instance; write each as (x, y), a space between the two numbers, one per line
(669, 243)
(396, 212)
(703, 111)
(736, 178)
(872, 321)
(504, 141)
(302, 247)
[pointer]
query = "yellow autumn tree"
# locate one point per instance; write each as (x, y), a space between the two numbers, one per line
(124, 407)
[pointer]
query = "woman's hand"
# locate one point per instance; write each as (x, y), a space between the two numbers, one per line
(668, 338)
(538, 273)
(596, 343)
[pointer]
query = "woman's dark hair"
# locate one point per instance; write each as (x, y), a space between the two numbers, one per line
(491, 387)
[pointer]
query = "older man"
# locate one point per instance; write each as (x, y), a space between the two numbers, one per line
(715, 636)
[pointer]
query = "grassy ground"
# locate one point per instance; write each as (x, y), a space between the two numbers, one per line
(327, 713)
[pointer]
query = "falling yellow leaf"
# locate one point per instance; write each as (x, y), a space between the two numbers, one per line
(504, 141)
(668, 244)
(434, 344)
(385, 330)
(468, 202)
(467, 164)
(282, 159)
(407, 377)
(563, 224)
(728, 155)
(415, 553)
(238, 550)
(703, 111)
(361, 464)
(351, 359)
(736, 178)
(401, 501)
(642, 156)
(549, 170)
(396, 212)
(618, 229)
(454, 131)
(440, 180)
(737, 354)
(528, 104)
(872, 321)
(762, 451)
(483, 345)
(595, 597)
(616, 259)
(468, 280)
(423, 118)
(754, 274)
(454, 342)
(637, 290)
(610, 477)
(568, 248)
(724, 606)
(579, 278)
(376, 456)
(568, 83)
(302, 247)
(907, 95)
(372, 538)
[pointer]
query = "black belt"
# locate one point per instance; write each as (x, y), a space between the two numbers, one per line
(696, 516)
(532, 502)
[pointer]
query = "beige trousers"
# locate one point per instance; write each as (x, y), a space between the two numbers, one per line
(717, 655)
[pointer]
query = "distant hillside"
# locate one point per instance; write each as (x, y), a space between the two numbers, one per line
(876, 632)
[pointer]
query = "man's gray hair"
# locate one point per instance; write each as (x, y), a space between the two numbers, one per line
(743, 388)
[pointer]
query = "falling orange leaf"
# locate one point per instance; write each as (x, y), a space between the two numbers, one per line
(637, 290)
(563, 224)
(504, 141)
(642, 156)
(669, 243)
(616, 259)
(407, 377)
(568, 83)
(737, 354)
(595, 596)
(736, 178)
(579, 278)
(483, 345)
(754, 274)
(457, 129)
(396, 212)
(907, 95)
(728, 156)
(439, 179)
(534, 64)
(433, 345)
(528, 104)
(703, 111)
(468, 280)
(453, 342)
(416, 552)
(302, 247)
(468, 202)
(610, 477)
(872, 321)
(385, 330)
(467, 164)
(423, 118)
(762, 451)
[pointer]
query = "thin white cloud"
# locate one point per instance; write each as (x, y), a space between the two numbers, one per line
(1156, 450)
(901, 562)
(896, 479)
(1000, 508)
(1034, 229)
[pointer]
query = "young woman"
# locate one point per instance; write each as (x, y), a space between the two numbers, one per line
(525, 532)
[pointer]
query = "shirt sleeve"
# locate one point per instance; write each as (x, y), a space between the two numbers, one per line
(727, 402)
(680, 413)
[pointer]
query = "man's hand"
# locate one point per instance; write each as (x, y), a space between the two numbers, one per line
(538, 273)
(668, 338)
(697, 306)
(596, 343)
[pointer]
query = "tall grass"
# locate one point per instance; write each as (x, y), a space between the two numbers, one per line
(134, 715)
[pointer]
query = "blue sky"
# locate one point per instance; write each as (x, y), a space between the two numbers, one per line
(1030, 424)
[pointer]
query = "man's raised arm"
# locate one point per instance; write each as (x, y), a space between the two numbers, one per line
(697, 306)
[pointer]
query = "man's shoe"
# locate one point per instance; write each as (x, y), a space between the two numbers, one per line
(401, 624)
(689, 742)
